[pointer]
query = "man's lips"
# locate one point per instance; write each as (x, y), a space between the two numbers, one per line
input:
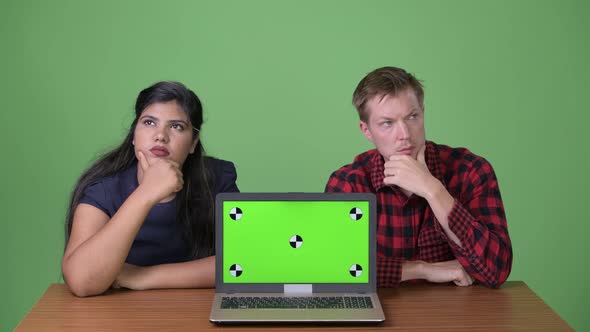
(407, 150)
(159, 151)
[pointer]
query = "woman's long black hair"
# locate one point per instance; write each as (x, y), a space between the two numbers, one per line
(195, 202)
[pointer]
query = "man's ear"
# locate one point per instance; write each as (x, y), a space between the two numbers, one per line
(194, 145)
(365, 129)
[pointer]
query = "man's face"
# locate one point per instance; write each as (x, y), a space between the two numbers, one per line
(395, 124)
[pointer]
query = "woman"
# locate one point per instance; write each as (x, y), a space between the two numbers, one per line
(141, 216)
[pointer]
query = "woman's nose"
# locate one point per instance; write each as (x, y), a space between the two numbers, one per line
(161, 136)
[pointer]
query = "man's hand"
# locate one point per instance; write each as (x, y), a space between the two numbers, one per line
(446, 272)
(132, 277)
(410, 174)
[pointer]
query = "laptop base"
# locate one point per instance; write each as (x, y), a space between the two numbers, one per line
(287, 315)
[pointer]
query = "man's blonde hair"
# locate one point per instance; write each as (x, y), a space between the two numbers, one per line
(385, 81)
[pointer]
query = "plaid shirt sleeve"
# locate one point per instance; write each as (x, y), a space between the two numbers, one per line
(389, 269)
(479, 221)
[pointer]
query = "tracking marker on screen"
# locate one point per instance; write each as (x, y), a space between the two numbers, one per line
(235, 213)
(296, 241)
(235, 270)
(356, 214)
(356, 270)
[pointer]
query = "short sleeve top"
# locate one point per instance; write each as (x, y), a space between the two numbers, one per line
(160, 239)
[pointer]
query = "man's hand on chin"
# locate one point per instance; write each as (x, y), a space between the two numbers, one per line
(411, 175)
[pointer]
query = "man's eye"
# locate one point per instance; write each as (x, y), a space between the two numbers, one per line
(386, 123)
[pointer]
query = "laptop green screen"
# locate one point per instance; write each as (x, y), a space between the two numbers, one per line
(296, 242)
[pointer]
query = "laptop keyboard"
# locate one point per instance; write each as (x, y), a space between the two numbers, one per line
(316, 302)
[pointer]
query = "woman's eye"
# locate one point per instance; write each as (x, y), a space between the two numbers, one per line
(177, 126)
(148, 122)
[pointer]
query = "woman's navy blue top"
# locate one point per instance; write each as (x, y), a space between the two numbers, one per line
(160, 239)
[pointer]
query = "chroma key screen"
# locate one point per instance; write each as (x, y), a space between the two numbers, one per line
(296, 241)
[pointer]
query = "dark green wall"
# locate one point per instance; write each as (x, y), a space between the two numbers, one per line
(503, 78)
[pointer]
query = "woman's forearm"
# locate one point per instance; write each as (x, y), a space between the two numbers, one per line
(199, 273)
(92, 266)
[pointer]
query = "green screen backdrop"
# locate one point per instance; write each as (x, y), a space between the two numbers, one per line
(506, 79)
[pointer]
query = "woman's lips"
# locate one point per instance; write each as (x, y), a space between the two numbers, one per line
(159, 151)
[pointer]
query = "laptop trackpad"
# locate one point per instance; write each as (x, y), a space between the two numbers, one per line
(298, 289)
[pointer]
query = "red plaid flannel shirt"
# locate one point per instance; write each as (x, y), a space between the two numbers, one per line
(407, 229)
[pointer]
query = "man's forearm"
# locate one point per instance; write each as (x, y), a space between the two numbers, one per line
(441, 202)
(412, 270)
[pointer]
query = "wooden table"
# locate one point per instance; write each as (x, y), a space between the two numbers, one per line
(419, 307)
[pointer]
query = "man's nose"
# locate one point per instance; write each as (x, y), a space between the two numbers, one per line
(403, 131)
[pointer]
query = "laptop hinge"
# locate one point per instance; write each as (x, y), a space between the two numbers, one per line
(291, 289)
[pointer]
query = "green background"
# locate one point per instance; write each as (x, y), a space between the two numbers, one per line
(259, 242)
(504, 78)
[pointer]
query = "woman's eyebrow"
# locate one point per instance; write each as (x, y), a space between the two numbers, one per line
(149, 117)
(176, 121)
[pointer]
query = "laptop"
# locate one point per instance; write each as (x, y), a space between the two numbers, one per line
(295, 257)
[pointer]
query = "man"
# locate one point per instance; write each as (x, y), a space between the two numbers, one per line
(440, 213)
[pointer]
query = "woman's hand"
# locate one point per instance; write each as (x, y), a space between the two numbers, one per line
(132, 277)
(159, 179)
